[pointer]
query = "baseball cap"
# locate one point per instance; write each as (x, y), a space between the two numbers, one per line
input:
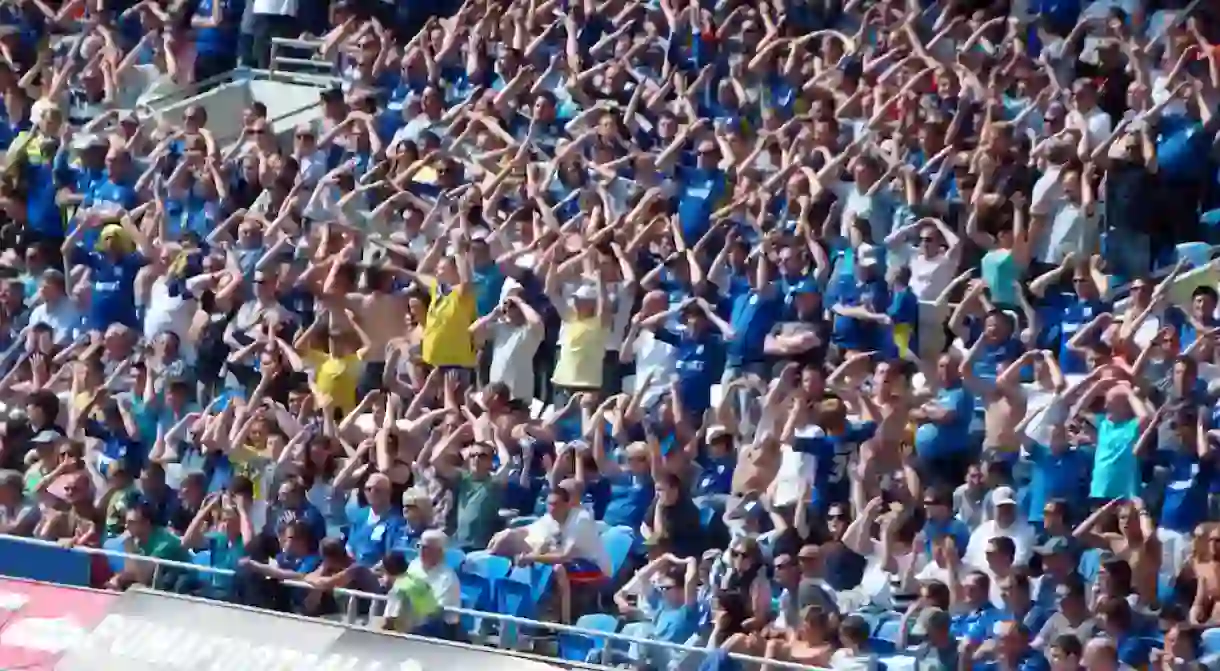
(716, 432)
(1053, 545)
(585, 292)
(46, 437)
(1003, 496)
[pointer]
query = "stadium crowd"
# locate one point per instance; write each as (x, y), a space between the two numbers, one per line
(827, 332)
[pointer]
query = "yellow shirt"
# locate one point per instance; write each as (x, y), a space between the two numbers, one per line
(250, 462)
(582, 347)
(336, 377)
(447, 340)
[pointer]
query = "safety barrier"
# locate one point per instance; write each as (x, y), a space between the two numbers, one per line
(51, 554)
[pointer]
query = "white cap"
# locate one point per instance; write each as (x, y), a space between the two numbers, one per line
(1003, 496)
(585, 292)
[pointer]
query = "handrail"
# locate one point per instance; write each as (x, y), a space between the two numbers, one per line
(359, 594)
(551, 661)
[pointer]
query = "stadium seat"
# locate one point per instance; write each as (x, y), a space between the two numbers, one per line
(485, 570)
(476, 592)
(114, 545)
(889, 631)
(454, 558)
(579, 647)
(202, 558)
(1209, 642)
(520, 594)
(882, 646)
(1090, 564)
(618, 542)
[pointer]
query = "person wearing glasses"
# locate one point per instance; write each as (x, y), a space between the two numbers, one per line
(934, 257)
(1075, 308)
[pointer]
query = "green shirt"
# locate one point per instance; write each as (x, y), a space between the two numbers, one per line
(162, 544)
(478, 510)
(33, 477)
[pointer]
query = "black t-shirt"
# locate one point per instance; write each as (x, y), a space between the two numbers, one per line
(844, 569)
(686, 537)
(1129, 190)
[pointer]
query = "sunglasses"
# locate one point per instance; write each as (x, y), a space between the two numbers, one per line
(257, 131)
(836, 515)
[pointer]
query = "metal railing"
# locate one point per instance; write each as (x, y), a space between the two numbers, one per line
(316, 68)
(355, 596)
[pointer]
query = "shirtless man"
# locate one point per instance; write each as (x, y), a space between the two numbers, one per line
(889, 405)
(380, 311)
(1004, 399)
(1135, 542)
(1206, 607)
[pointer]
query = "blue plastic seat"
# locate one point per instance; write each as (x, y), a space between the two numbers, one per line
(1090, 564)
(484, 572)
(1209, 642)
(888, 631)
(579, 647)
(488, 566)
(454, 558)
(882, 646)
(618, 542)
(476, 593)
(202, 558)
(114, 545)
(707, 515)
(520, 594)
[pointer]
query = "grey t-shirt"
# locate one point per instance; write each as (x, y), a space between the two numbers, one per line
(1058, 625)
(24, 513)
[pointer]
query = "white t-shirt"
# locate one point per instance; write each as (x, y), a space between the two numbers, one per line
(578, 534)
(796, 467)
(1022, 536)
(652, 355)
(1047, 191)
(275, 7)
(845, 660)
(512, 357)
(171, 314)
(1097, 122)
(930, 276)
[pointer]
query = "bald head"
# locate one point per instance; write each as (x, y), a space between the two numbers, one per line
(1100, 654)
(654, 302)
(377, 491)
